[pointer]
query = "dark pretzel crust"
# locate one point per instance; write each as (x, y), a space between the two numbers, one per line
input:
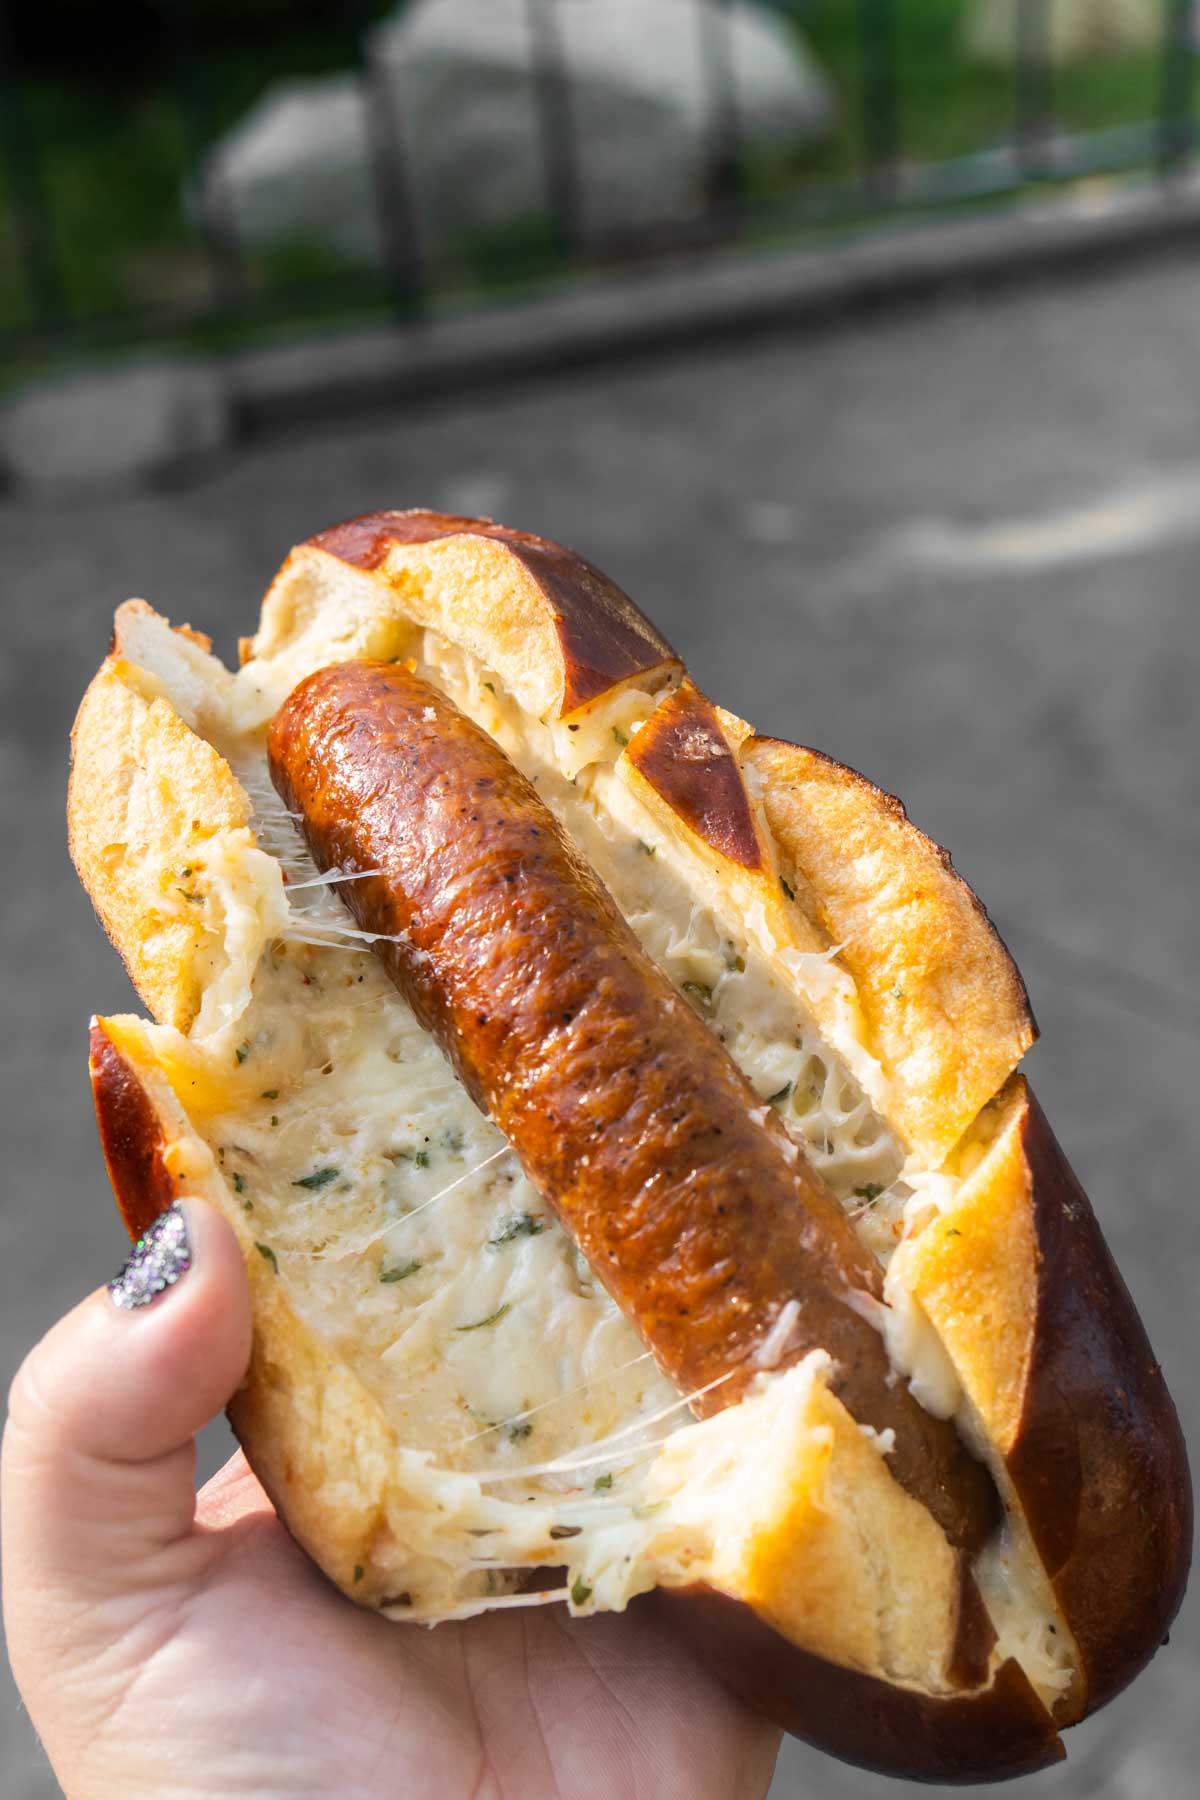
(1099, 1459)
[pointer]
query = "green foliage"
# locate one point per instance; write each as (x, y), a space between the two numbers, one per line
(949, 105)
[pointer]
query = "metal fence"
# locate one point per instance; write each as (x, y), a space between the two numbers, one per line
(79, 273)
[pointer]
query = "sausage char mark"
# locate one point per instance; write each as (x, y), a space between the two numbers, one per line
(680, 1188)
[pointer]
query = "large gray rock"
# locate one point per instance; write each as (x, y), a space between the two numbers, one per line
(114, 427)
(1076, 28)
(458, 81)
(297, 170)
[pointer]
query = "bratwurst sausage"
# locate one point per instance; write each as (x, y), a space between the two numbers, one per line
(695, 1210)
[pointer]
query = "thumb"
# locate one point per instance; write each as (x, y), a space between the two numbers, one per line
(99, 1459)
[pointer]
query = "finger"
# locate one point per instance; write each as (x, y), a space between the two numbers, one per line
(99, 1462)
(233, 1493)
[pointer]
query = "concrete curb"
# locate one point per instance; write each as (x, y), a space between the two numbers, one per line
(149, 419)
(703, 297)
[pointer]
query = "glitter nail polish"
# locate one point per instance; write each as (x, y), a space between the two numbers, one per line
(161, 1255)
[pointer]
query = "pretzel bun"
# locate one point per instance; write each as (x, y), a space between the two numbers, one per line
(445, 1406)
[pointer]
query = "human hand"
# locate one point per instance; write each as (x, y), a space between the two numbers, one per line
(168, 1644)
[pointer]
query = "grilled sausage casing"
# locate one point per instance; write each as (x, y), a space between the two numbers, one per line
(630, 1118)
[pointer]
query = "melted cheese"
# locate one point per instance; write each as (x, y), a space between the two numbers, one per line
(1022, 1607)
(531, 1420)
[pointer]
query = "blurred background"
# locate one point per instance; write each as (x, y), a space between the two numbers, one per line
(858, 340)
(205, 170)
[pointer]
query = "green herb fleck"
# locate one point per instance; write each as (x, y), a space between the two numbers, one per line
(897, 991)
(646, 849)
(358, 1571)
(788, 889)
(490, 686)
(732, 959)
(453, 1138)
(699, 992)
(581, 1593)
(242, 1052)
(953, 1231)
(239, 1184)
(492, 1319)
(184, 873)
(602, 1483)
(188, 894)
(648, 1509)
(418, 1158)
(274, 1118)
(401, 1272)
(247, 1206)
(622, 740)
(779, 1098)
(870, 1193)
(318, 1179)
(558, 1532)
(519, 1225)
(270, 1094)
(268, 1255)
(517, 1430)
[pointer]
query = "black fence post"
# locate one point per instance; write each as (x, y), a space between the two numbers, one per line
(724, 135)
(878, 57)
(391, 182)
(1033, 87)
(31, 213)
(1177, 118)
(552, 96)
(214, 214)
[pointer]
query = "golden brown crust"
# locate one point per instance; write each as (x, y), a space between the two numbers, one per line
(829, 1550)
(989, 1734)
(945, 1007)
(145, 796)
